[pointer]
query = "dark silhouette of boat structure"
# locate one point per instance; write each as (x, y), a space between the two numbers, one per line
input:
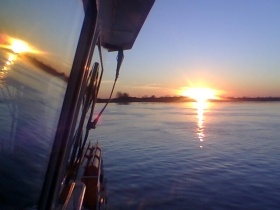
(75, 178)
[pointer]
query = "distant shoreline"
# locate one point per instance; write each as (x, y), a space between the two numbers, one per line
(46, 68)
(186, 99)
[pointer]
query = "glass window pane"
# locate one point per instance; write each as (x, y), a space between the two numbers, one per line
(38, 40)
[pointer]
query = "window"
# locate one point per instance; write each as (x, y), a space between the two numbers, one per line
(38, 40)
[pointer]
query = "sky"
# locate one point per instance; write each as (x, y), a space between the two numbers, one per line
(231, 46)
(51, 26)
(228, 45)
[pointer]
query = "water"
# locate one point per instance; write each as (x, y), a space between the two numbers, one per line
(164, 156)
(156, 155)
(30, 103)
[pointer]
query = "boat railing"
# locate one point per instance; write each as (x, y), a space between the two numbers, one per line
(91, 191)
(92, 176)
(73, 196)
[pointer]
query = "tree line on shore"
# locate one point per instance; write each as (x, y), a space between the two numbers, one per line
(125, 98)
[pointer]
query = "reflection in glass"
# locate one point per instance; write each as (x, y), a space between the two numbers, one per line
(6, 67)
(14, 48)
(32, 86)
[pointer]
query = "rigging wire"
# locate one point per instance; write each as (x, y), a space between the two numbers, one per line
(92, 88)
(120, 57)
(86, 101)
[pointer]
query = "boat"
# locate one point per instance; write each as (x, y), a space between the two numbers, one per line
(47, 113)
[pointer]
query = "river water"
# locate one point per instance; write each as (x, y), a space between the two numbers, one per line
(156, 155)
(173, 156)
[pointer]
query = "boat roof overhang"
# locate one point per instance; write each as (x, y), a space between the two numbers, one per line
(121, 22)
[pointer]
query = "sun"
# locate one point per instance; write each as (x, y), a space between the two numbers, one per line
(16, 45)
(200, 94)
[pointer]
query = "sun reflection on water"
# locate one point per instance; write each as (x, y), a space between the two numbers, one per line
(14, 47)
(201, 95)
(200, 128)
(7, 66)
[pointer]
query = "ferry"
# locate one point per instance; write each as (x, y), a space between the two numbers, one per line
(49, 83)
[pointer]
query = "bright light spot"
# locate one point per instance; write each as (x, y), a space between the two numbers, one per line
(11, 58)
(200, 94)
(18, 46)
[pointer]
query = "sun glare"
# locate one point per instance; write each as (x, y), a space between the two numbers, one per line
(16, 45)
(200, 94)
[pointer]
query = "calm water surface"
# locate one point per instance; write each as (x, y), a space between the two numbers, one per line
(156, 155)
(173, 156)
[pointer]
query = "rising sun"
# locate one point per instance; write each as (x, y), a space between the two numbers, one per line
(200, 94)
